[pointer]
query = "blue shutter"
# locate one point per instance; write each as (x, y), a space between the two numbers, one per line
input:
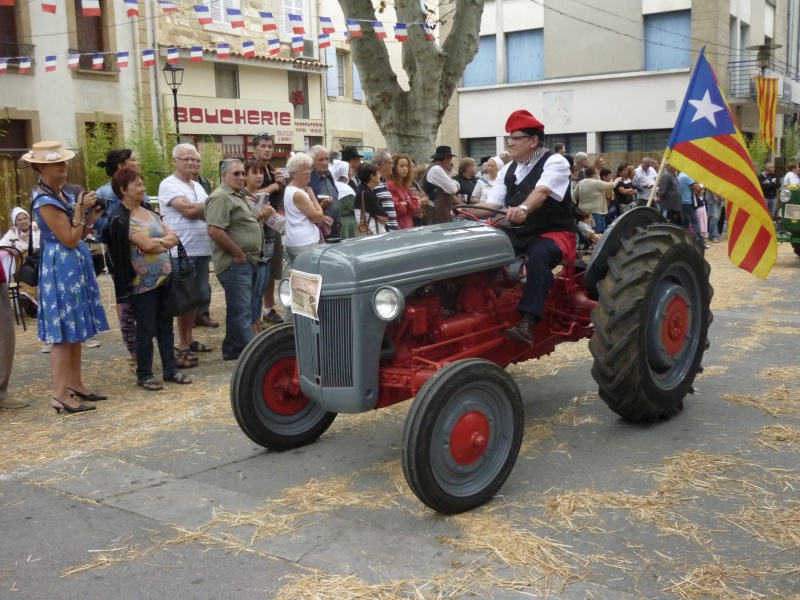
(483, 68)
(667, 41)
(358, 93)
(332, 75)
(525, 56)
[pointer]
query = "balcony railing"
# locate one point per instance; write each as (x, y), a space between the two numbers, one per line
(86, 60)
(742, 74)
(14, 50)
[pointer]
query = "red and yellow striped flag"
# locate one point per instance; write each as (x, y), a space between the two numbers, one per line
(767, 91)
(708, 147)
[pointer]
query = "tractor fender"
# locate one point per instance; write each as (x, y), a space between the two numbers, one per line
(621, 229)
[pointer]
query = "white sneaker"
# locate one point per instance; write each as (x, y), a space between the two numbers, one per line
(47, 348)
(92, 343)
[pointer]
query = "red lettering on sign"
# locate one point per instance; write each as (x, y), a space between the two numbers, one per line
(266, 117)
(240, 116)
(195, 115)
(286, 118)
(226, 116)
(212, 117)
(181, 114)
(253, 117)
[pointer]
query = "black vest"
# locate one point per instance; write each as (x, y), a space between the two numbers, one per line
(550, 216)
(431, 191)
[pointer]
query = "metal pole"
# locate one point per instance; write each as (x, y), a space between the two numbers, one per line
(175, 114)
(658, 178)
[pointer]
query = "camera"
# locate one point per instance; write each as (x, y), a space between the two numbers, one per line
(102, 201)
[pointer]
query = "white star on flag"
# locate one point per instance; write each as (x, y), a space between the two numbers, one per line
(706, 109)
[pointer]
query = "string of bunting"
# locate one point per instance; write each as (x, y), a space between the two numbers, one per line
(91, 8)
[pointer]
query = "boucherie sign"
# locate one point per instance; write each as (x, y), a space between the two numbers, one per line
(218, 116)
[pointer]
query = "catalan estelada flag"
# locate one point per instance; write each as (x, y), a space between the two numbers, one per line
(767, 93)
(708, 147)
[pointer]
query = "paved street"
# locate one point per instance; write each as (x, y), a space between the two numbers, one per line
(159, 495)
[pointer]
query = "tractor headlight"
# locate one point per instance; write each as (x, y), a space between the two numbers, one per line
(285, 293)
(785, 196)
(388, 303)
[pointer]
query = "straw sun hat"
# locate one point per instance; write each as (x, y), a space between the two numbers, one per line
(48, 152)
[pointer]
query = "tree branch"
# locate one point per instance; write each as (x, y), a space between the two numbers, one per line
(461, 44)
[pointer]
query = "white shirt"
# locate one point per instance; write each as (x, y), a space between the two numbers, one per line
(555, 176)
(193, 233)
(300, 231)
(791, 178)
(645, 180)
(441, 178)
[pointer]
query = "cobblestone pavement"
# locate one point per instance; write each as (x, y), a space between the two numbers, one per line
(160, 495)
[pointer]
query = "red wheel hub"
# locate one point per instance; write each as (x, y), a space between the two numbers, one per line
(469, 438)
(675, 326)
(280, 395)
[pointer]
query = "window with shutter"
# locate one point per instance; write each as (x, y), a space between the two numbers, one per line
(8, 31)
(341, 63)
(217, 9)
(358, 93)
(295, 7)
(483, 68)
(90, 35)
(525, 55)
(332, 76)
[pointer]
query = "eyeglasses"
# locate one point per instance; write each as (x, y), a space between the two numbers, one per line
(237, 173)
(189, 160)
(514, 138)
(262, 136)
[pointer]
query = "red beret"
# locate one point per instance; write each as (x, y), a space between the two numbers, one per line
(522, 119)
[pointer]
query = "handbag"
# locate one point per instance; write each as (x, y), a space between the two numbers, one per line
(29, 271)
(363, 227)
(182, 291)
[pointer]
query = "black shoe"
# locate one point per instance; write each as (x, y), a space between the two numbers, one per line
(58, 406)
(91, 396)
(522, 332)
(230, 357)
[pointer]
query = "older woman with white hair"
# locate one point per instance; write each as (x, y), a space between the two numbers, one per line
(486, 182)
(14, 247)
(303, 211)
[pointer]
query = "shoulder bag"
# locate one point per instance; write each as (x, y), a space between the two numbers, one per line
(363, 226)
(182, 292)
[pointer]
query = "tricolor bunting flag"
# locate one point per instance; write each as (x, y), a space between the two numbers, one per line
(707, 146)
(133, 7)
(203, 14)
(297, 44)
(327, 25)
(297, 24)
(74, 61)
(249, 49)
(268, 22)
(49, 63)
(428, 32)
(167, 6)
(380, 32)
(324, 40)
(196, 54)
(401, 32)
(767, 94)
(98, 61)
(148, 58)
(173, 56)
(274, 46)
(6, 2)
(122, 59)
(235, 17)
(3, 66)
(90, 8)
(354, 28)
(49, 6)
(223, 50)
(24, 64)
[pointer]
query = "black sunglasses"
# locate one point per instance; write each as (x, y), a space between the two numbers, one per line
(262, 136)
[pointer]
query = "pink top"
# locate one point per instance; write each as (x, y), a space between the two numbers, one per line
(405, 212)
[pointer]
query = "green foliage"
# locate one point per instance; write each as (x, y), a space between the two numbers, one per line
(152, 147)
(758, 150)
(100, 138)
(789, 149)
(211, 155)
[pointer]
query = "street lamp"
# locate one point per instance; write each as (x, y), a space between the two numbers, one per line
(174, 76)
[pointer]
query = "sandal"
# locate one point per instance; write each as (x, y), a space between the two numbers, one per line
(186, 353)
(185, 359)
(178, 377)
(151, 385)
(196, 346)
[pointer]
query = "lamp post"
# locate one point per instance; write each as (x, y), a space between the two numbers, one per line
(174, 76)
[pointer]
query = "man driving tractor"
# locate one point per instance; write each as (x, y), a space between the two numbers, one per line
(534, 187)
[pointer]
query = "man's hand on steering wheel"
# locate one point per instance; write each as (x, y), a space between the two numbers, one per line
(516, 215)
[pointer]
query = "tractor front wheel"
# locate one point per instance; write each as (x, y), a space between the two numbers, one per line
(796, 248)
(651, 323)
(266, 398)
(462, 435)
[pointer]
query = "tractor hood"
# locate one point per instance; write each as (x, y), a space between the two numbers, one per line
(408, 258)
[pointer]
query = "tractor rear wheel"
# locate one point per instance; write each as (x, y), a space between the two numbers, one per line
(269, 408)
(796, 248)
(651, 323)
(462, 435)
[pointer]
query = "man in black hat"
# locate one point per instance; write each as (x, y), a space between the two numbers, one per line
(351, 156)
(440, 187)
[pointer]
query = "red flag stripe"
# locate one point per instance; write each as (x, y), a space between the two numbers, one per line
(748, 171)
(724, 170)
(735, 226)
(757, 251)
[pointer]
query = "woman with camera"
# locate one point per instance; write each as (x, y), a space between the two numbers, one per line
(140, 243)
(253, 181)
(70, 307)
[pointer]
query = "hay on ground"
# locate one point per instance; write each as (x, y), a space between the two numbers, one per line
(719, 580)
(779, 437)
(775, 402)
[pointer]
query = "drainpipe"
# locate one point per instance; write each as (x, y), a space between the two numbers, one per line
(152, 42)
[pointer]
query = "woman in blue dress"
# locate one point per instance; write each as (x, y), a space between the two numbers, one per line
(70, 307)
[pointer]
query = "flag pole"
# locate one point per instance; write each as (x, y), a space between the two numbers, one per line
(658, 178)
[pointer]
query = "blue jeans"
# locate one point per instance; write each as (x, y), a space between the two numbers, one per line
(713, 220)
(599, 222)
(200, 267)
(239, 282)
(690, 218)
(262, 277)
(153, 321)
(771, 207)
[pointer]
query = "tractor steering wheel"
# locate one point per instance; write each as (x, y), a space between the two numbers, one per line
(498, 221)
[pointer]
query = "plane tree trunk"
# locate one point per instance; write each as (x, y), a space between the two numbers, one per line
(409, 119)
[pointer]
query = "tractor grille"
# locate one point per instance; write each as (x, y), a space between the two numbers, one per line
(325, 349)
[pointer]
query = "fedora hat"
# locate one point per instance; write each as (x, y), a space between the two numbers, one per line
(442, 152)
(48, 152)
(349, 153)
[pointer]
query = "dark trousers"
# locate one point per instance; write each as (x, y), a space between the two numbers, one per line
(153, 321)
(690, 218)
(544, 255)
(239, 282)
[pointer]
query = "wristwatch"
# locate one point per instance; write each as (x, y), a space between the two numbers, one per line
(523, 207)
